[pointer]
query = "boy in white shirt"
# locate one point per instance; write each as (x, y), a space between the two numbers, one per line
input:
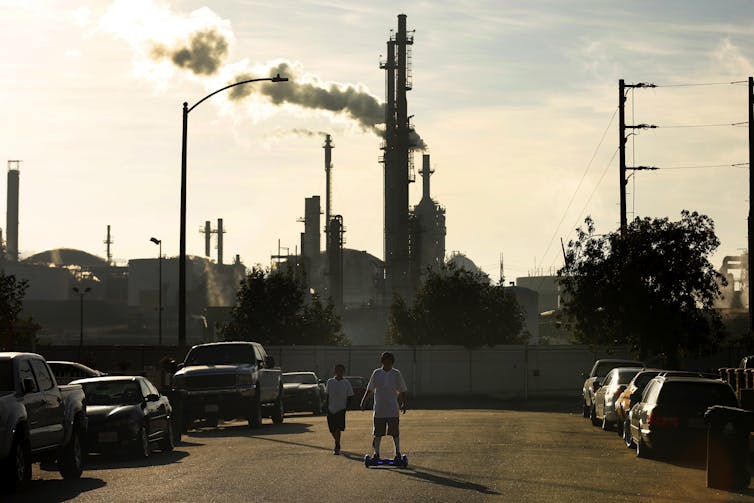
(338, 390)
(389, 390)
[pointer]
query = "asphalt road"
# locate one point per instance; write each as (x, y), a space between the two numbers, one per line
(515, 452)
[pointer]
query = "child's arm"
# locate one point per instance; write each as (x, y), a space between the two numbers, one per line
(364, 398)
(402, 401)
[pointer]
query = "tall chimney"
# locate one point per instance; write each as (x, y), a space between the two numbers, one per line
(328, 146)
(11, 227)
(220, 232)
(207, 238)
(426, 172)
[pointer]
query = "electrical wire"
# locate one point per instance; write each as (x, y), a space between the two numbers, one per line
(594, 191)
(698, 84)
(678, 126)
(740, 165)
(578, 186)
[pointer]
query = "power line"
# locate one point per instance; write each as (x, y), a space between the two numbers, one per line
(594, 191)
(698, 84)
(578, 187)
(706, 166)
(722, 124)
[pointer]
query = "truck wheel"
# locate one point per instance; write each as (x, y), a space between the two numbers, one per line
(72, 457)
(255, 413)
(176, 429)
(166, 444)
(212, 420)
(278, 411)
(141, 445)
(17, 466)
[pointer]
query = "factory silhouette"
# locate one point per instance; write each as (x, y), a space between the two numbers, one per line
(122, 300)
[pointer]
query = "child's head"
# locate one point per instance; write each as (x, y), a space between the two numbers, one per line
(387, 360)
(340, 370)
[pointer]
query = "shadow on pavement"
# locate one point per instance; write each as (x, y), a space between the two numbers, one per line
(54, 491)
(243, 430)
(112, 461)
(441, 478)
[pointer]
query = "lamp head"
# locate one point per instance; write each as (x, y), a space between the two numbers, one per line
(155, 240)
(278, 78)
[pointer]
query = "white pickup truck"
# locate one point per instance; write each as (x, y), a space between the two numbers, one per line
(39, 420)
(227, 380)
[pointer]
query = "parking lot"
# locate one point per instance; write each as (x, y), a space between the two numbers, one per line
(534, 451)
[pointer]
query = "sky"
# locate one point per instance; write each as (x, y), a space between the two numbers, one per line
(513, 98)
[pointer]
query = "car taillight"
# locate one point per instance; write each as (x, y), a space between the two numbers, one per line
(662, 421)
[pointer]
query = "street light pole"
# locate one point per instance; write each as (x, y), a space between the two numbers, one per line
(159, 291)
(81, 312)
(182, 238)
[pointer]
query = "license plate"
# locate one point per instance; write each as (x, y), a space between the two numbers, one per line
(107, 436)
(211, 407)
(696, 423)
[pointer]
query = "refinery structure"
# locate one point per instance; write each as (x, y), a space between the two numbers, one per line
(122, 300)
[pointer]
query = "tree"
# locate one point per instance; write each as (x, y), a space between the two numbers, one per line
(652, 287)
(456, 306)
(14, 332)
(271, 308)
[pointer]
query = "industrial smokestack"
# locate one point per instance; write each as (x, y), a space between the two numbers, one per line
(207, 238)
(328, 146)
(426, 172)
(11, 227)
(220, 232)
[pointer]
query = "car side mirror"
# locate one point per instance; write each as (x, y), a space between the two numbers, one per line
(179, 366)
(28, 385)
(269, 362)
(152, 397)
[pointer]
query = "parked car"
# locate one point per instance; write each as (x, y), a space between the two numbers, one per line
(39, 420)
(303, 391)
(127, 412)
(596, 376)
(670, 415)
(630, 397)
(688, 373)
(65, 372)
(606, 397)
(227, 380)
(359, 386)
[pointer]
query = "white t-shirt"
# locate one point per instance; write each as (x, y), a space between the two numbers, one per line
(386, 387)
(338, 391)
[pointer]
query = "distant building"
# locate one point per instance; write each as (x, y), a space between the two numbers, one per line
(528, 300)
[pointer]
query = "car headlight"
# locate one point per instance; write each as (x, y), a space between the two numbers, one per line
(243, 379)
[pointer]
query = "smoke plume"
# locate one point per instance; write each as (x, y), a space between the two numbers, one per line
(205, 52)
(353, 101)
(307, 132)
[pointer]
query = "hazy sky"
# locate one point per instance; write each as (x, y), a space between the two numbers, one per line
(511, 97)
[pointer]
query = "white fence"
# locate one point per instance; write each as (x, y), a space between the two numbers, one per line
(507, 371)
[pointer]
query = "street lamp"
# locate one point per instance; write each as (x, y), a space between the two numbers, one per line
(81, 294)
(159, 290)
(182, 239)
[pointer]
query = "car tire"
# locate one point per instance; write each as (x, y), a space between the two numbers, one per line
(71, 462)
(278, 410)
(212, 420)
(642, 451)
(255, 412)
(17, 466)
(585, 411)
(142, 447)
(177, 428)
(593, 417)
(605, 423)
(627, 437)
(167, 443)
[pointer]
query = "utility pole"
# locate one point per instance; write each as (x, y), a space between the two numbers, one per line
(622, 138)
(751, 194)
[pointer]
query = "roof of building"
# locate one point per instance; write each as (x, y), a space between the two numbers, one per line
(65, 257)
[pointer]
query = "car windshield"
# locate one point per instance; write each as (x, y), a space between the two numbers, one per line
(603, 368)
(220, 354)
(6, 377)
(625, 376)
(642, 379)
(112, 393)
(697, 394)
(303, 378)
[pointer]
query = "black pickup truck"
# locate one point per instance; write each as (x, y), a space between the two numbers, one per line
(227, 380)
(39, 420)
